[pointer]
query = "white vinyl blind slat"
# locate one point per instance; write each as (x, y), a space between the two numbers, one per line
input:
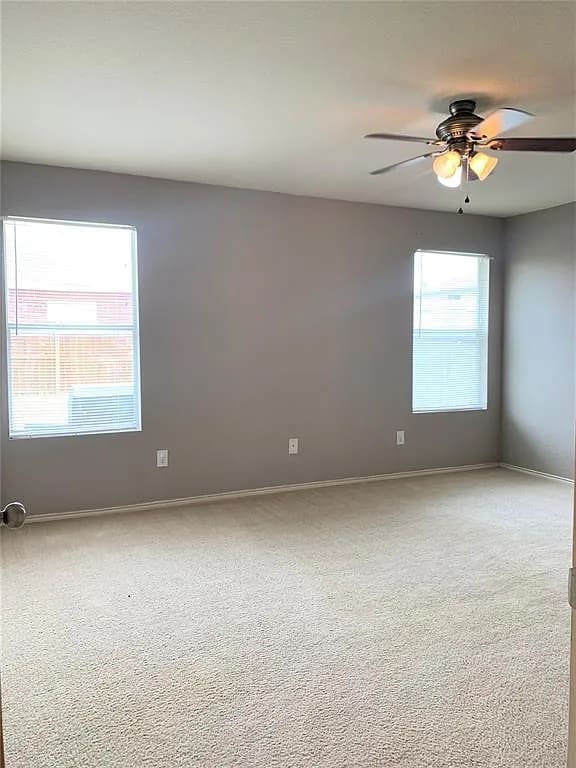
(450, 332)
(72, 328)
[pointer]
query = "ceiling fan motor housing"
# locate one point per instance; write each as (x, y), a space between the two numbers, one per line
(462, 119)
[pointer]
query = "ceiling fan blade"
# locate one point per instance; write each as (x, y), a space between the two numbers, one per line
(410, 161)
(499, 122)
(563, 144)
(395, 137)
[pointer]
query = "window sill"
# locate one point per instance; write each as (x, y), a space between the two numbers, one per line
(452, 410)
(125, 431)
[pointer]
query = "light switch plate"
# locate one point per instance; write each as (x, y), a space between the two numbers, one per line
(162, 457)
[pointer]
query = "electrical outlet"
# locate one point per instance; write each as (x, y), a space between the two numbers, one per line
(400, 438)
(292, 446)
(162, 457)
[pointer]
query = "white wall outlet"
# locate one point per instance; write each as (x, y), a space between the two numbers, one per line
(400, 438)
(292, 446)
(162, 457)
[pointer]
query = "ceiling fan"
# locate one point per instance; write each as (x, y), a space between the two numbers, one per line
(461, 137)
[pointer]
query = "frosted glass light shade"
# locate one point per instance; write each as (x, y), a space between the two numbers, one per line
(452, 181)
(446, 165)
(483, 164)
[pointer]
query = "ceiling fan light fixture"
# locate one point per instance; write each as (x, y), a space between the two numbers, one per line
(462, 131)
(483, 164)
(447, 164)
(452, 181)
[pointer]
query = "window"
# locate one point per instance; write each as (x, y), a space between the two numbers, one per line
(450, 336)
(72, 328)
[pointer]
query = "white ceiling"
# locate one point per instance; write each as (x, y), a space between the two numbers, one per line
(278, 95)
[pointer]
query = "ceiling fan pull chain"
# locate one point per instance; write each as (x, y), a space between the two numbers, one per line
(467, 198)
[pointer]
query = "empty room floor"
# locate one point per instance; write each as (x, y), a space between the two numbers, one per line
(415, 623)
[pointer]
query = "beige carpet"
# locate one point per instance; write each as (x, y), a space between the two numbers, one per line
(413, 624)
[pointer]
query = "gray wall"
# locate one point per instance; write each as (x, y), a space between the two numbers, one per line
(539, 358)
(263, 316)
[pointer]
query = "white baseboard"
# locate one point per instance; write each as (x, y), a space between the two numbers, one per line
(536, 473)
(231, 495)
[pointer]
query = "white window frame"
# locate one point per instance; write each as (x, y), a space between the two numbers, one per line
(134, 327)
(484, 359)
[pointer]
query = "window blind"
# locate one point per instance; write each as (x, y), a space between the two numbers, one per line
(450, 332)
(72, 328)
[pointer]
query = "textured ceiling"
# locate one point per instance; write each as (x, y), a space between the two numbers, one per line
(277, 95)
